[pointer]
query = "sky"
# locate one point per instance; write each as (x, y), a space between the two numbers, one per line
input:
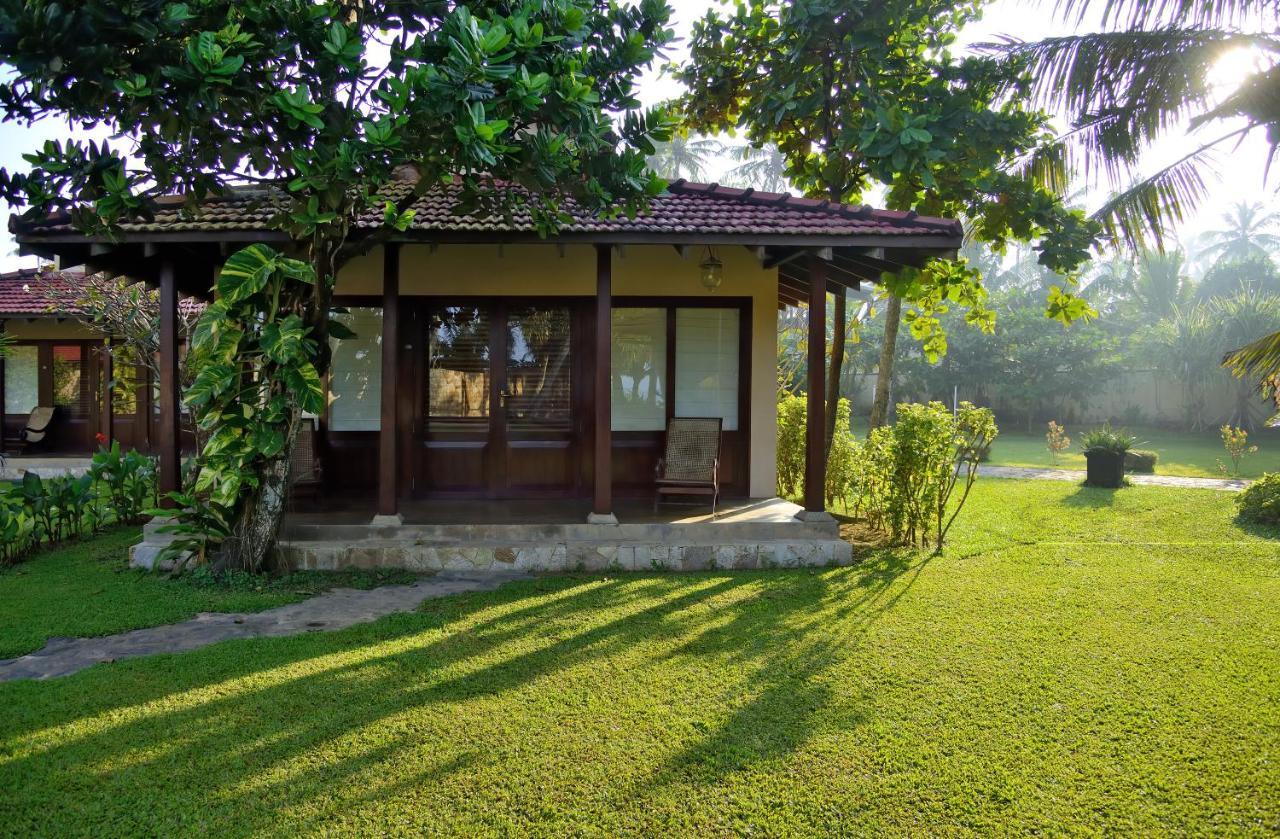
(1241, 171)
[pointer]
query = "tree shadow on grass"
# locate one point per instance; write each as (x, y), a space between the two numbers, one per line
(220, 731)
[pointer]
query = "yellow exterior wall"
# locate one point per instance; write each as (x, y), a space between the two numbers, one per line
(638, 270)
(49, 329)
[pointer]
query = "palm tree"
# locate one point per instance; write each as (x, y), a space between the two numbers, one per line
(1245, 234)
(1144, 77)
(1238, 320)
(761, 168)
(684, 157)
(1159, 283)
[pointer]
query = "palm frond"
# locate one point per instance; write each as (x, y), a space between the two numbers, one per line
(1137, 83)
(1141, 213)
(1135, 13)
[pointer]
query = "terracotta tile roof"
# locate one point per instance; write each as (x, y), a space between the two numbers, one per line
(20, 292)
(685, 208)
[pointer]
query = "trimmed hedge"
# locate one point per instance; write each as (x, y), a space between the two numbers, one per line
(1140, 460)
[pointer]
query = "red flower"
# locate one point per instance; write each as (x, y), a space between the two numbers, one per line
(101, 438)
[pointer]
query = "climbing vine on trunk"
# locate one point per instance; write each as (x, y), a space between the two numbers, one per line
(256, 371)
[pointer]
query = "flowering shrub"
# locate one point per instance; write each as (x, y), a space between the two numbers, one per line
(1236, 442)
(1057, 440)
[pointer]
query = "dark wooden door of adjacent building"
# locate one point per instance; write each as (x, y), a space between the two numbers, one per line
(500, 393)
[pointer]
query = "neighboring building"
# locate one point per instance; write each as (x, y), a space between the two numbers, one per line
(58, 361)
(540, 368)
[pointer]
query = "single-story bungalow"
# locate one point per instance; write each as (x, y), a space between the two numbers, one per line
(493, 368)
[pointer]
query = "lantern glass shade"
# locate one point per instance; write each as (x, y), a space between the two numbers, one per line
(712, 271)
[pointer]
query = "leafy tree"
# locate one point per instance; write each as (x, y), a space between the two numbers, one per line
(1254, 273)
(322, 104)
(1238, 320)
(1147, 75)
(855, 94)
(1246, 234)
(1185, 347)
(685, 157)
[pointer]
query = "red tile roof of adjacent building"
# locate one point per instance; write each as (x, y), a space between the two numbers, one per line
(685, 208)
(20, 292)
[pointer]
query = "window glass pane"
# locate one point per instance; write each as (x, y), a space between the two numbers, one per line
(21, 380)
(69, 381)
(639, 370)
(355, 378)
(458, 368)
(539, 378)
(707, 364)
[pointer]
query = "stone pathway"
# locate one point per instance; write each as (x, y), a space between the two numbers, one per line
(1035, 473)
(333, 610)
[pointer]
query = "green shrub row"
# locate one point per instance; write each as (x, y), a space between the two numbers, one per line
(36, 512)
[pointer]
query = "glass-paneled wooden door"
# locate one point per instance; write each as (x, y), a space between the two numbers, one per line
(500, 390)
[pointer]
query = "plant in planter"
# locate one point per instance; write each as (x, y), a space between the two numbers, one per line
(1104, 452)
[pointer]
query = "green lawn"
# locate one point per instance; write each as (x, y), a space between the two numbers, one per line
(1181, 453)
(86, 588)
(1079, 661)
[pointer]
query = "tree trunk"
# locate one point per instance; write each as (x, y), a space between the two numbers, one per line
(837, 365)
(255, 532)
(884, 376)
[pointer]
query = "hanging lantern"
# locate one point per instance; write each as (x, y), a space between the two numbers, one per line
(712, 270)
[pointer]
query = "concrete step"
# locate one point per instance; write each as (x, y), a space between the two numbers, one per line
(555, 555)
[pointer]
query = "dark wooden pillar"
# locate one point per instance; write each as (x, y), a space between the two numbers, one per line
(814, 457)
(388, 471)
(170, 435)
(108, 393)
(602, 495)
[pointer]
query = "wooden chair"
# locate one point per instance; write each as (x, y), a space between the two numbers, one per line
(691, 462)
(304, 467)
(35, 433)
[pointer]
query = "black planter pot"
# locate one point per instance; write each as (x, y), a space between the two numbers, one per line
(1105, 469)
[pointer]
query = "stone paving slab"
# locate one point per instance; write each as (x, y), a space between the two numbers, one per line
(1076, 476)
(327, 612)
(13, 468)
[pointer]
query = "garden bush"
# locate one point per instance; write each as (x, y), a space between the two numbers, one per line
(38, 512)
(906, 473)
(792, 414)
(1140, 460)
(1260, 501)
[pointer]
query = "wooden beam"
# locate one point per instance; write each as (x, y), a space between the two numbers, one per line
(602, 491)
(388, 474)
(816, 424)
(170, 435)
(773, 260)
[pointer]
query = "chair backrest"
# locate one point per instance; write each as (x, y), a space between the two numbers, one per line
(40, 418)
(693, 446)
(38, 423)
(303, 465)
